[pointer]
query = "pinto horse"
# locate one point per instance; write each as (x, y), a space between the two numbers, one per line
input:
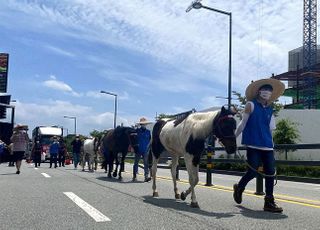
(116, 143)
(186, 138)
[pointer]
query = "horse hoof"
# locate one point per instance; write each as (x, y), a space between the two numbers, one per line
(155, 194)
(114, 174)
(177, 196)
(82, 170)
(183, 196)
(109, 175)
(194, 205)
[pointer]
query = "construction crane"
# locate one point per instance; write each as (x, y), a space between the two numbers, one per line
(310, 51)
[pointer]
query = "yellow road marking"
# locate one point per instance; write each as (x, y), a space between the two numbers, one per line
(282, 198)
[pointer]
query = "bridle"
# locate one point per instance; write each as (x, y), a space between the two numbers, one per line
(218, 132)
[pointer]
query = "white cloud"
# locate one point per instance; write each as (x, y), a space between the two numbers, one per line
(52, 113)
(163, 30)
(60, 86)
(59, 51)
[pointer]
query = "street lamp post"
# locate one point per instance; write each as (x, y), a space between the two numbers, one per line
(115, 106)
(197, 5)
(75, 122)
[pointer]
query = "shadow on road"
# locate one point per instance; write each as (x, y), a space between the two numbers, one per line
(115, 179)
(260, 214)
(8, 174)
(183, 206)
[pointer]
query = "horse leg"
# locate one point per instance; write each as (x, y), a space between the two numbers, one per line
(83, 161)
(115, 172)
(121, 165)
(90, 166)
(110, 163)
(193, 172)
(154, 174)
(175, 161)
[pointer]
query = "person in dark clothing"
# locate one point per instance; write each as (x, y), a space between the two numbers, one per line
(36, 153)
(62, 153)
(256, 127)
(76, 150)
(54, 151)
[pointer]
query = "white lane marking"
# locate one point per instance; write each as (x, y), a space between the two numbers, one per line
(91, 211)
(45, 175)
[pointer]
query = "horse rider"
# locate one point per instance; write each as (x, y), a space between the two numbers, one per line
(256, 127)
(144, 137)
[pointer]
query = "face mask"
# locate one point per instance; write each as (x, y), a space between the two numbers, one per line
(265, 94)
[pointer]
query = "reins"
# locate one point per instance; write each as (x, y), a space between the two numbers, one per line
(237, 153)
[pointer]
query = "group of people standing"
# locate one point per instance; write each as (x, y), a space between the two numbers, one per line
(57, 149)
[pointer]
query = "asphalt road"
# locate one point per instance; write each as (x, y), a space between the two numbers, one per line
(64, 198)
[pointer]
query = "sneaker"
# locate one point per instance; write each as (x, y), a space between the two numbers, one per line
(237, 193)
(18, 172)
(271, 206)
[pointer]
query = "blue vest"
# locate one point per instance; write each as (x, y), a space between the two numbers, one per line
(257, 130)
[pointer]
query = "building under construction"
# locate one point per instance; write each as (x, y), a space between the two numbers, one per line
(303, 74)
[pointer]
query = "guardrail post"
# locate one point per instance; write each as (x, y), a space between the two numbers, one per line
(259, 183)
(210, 152)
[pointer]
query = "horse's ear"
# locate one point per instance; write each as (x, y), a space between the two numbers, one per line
(223, 109)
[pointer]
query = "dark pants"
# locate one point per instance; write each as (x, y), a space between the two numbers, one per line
(37, 159)
(254, 158)
(53, 159)
(61, 159)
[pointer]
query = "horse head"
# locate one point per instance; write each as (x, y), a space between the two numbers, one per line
(133, 139)
(224, 127)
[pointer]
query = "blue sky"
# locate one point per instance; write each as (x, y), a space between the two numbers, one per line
(154, 55)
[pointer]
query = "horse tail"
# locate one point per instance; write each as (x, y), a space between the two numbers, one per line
(156, 146)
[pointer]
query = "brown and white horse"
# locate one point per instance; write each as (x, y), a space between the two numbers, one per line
(186, 139)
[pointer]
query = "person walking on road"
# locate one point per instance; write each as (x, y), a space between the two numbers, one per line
(256, 126)
(54, 151)
(144, 137)
(76, 150)
(36, 153)
(62, 152)
(20, 141)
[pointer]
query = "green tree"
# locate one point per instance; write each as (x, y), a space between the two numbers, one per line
(286, 132)
(96, 133)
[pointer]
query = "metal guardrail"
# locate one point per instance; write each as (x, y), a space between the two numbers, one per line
(210, 150)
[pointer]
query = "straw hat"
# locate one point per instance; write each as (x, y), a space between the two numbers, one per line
(20, 127)
(143, 121)
(253, 89)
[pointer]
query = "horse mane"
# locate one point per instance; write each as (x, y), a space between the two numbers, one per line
(181, 116)
(201, 123)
